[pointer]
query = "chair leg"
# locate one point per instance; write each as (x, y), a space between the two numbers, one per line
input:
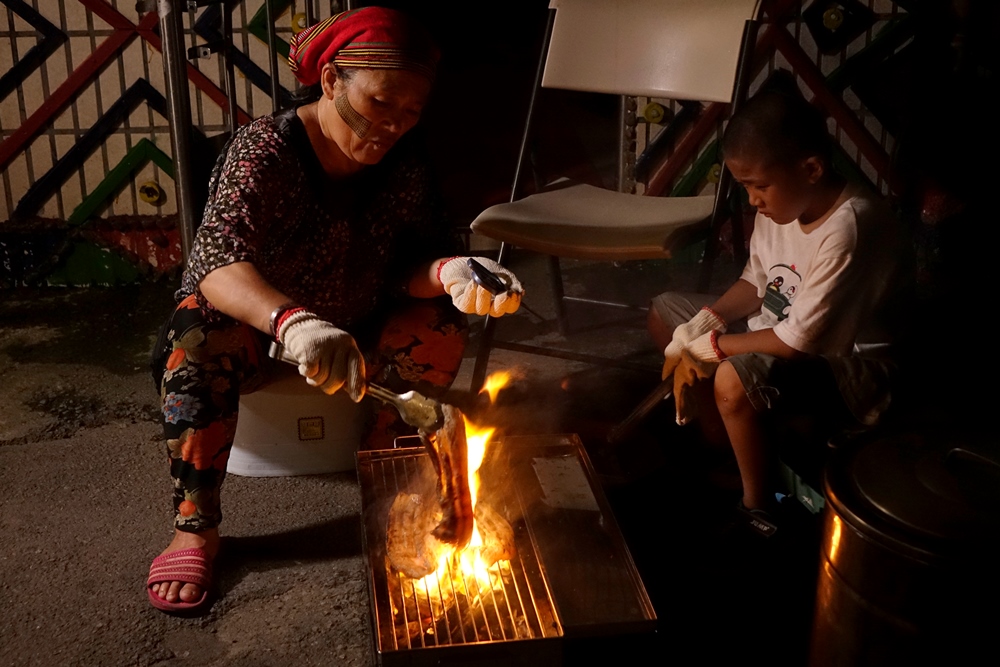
(556, 281)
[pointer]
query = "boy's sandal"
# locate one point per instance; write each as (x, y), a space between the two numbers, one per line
(757, 520)
(189, 566)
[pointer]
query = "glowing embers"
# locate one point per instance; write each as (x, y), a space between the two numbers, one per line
(464, 602)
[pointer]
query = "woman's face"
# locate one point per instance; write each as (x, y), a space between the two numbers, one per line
(390, 100)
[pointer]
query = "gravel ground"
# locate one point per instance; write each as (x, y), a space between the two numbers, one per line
(86, 507)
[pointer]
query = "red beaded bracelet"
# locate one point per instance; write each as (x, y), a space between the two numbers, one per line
(279, 315)
(715, 345)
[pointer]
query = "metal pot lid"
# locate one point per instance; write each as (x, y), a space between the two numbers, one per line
(936, 485)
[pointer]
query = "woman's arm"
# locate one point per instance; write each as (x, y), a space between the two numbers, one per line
(425, 283)
(238, 290)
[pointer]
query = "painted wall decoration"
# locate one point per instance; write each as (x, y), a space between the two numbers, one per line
(84, 135)
(86, 195)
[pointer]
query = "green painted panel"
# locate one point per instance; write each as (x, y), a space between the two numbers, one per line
(89, 264)
(686, 185)
(258, 24)
(144, 151)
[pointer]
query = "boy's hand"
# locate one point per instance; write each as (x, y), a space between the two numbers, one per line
(699, 360)
(704, 322)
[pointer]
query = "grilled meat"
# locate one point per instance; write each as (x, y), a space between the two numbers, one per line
(409, 544)
(449, 453)
(497, 534)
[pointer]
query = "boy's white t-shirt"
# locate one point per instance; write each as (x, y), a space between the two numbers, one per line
(822, 290)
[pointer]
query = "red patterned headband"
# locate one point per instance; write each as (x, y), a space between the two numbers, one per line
(367, 38)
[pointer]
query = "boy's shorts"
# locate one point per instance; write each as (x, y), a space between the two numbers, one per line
(848, 391)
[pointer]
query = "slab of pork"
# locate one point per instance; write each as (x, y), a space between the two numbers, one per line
(449, 453)
(409, 544)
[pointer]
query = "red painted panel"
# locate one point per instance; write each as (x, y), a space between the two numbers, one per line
(63, 95)
(108, 14)
(686, 150)
(155, 250)
(831, 103)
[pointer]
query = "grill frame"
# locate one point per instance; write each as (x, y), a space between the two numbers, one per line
(518, 503)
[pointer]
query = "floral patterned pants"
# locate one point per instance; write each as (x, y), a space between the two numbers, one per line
(206, 366)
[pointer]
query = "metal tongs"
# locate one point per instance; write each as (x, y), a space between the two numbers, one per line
(415, 408)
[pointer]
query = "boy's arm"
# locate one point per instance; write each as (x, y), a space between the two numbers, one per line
(765, 341)
(739, 301)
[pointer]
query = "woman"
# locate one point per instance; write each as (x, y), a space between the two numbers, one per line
(322, 230)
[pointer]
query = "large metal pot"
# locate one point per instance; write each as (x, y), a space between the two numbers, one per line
(910, 558)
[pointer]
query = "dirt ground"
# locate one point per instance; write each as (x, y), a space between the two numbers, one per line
(86, 507)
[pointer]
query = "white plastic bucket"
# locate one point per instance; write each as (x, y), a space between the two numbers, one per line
(289, 428)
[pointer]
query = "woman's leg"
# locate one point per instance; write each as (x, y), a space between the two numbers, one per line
(420, 348)
(206, 367)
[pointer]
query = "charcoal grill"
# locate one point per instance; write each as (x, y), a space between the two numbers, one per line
(572, 575)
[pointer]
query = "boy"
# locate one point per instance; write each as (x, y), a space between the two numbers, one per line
(824, 265)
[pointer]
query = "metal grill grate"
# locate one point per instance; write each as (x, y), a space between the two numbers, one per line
(453, 610)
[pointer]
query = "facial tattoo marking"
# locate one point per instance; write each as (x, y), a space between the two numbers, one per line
(358, 123)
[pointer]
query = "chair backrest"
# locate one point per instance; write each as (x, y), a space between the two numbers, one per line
(675, 49)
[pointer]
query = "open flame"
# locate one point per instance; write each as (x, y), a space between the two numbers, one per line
(467, 563)
(494, 383)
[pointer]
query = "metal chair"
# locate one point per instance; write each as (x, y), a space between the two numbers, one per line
(675, 49)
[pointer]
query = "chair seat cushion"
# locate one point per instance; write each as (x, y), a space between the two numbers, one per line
(585, 222)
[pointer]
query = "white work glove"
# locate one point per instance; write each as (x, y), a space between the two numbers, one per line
(473, 299)
(704, 322)
(328, 357)
(698, 360)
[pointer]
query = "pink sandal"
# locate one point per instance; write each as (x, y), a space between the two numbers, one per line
(190, 566)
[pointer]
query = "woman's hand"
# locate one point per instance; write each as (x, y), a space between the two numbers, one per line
(472, 298)
(328, 357)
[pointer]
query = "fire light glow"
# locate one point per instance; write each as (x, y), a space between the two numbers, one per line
(468, 571)
(468, 564)
(494, 383)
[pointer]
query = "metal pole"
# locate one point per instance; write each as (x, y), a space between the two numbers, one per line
(272, 56)
(230, 74)
(486, 340)
(178, 113)
(744, 73)
(526, 137)
(626, 143)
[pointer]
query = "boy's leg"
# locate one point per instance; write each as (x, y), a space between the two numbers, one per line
(750, 388)
(742, 424)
